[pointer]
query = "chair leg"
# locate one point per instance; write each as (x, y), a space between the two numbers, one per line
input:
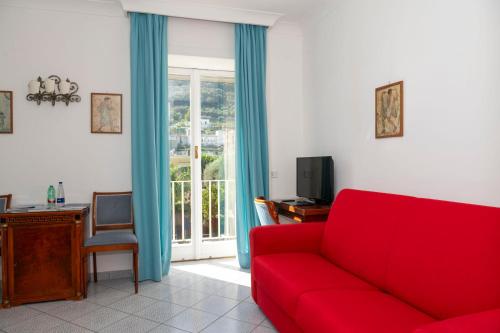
(136, 272)
(95, 266)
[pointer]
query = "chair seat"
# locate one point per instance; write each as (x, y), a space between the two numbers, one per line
(111, 238)
(286, 276)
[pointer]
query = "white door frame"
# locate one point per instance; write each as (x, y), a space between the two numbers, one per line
(199, 248)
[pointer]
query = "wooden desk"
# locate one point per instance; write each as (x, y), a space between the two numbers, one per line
(41, 255)
(312, 213)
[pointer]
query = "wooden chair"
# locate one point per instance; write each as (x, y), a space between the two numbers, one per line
(267, 211)
(111, 212)
(4, 205)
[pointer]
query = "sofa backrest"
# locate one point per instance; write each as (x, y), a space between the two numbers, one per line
(360, 230)
(441, 257)
(447, 261)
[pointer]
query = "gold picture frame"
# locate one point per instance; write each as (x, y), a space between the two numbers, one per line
(6, 112)
(389, 110)
(106, 113)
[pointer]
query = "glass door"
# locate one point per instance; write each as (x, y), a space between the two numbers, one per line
(202, 165)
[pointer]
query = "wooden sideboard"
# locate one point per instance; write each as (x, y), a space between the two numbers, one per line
(41, 255)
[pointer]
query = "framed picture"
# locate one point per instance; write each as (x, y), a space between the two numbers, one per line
(6, 112)
(106, 113)
(389, 110)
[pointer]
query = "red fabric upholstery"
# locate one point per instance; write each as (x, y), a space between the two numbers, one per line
(360, 231)
(286, 276)
(484, 322)
(382, 263)
(447, 261)
(281, 321)
(303, 237)
(356, 311)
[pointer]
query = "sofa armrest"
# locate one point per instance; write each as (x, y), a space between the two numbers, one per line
(483, 322)
(303, 237)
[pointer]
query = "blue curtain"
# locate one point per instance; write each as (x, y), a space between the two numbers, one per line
(150, 151)
(252, 161)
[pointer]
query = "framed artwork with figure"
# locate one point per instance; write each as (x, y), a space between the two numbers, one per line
(106, 113)
(389, 110)
(6, 112)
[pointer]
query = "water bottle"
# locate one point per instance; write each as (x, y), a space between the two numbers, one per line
(51, 196)
(60, 195)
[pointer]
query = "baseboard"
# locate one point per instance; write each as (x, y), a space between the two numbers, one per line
(110, 275)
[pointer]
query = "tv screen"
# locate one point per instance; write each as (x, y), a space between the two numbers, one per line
(315, 178)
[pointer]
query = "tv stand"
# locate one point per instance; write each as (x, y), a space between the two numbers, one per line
(307, 212)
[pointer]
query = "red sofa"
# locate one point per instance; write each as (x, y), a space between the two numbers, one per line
(382, 263)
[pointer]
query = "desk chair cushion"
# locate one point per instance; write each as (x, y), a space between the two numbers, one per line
(111, 238)
(265, 217)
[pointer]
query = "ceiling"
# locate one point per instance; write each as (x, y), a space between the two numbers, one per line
(291, 9)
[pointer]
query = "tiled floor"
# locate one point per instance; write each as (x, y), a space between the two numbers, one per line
(205, 296)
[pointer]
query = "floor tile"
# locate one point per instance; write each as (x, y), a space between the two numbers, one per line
(186, 297)
(216, 304)
(228, 325)
(41, 323)
(68, 328)
(74, 310)
(130, 324)
(132, 304)
(124, 283)
(182, 280)
(16, 315)
(192, 320)
(107, 296)
(210, 286)
(158, 291)
(161, 311)
(167, 329)
(264, 329)
(48, 306)
(234, 291)
(247, 312)
(99, 319)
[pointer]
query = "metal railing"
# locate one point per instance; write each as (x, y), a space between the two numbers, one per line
(218, 210)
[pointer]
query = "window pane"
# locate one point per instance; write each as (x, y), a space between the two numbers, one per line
(217, 149)
(180, 163)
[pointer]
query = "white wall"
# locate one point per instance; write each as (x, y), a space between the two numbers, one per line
(89, 43)
(284, 105)
(448, 54)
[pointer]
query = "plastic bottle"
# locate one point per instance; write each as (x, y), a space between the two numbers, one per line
(60, 195)
(51, 196)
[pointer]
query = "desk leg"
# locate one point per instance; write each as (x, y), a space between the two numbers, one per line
(85, 273)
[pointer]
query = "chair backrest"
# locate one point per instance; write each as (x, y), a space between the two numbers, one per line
(266, 210)
(111, 211)
(5, 202)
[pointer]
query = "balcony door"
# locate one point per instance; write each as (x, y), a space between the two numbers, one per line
(202, 163)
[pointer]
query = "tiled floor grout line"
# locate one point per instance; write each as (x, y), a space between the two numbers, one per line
(214, 288)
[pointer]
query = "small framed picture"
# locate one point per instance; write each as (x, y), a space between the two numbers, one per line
(106, 113)
(389, 110)
(6, 112)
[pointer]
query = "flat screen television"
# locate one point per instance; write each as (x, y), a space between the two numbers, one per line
(315, 179)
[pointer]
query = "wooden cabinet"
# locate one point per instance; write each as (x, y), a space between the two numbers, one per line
(41, 255)
(310, 213)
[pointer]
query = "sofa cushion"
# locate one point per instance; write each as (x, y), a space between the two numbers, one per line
(356, 311)
(285, 276)
(447, 262)
(360, 231)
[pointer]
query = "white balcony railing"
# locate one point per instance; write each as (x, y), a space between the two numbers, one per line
(218, 210)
